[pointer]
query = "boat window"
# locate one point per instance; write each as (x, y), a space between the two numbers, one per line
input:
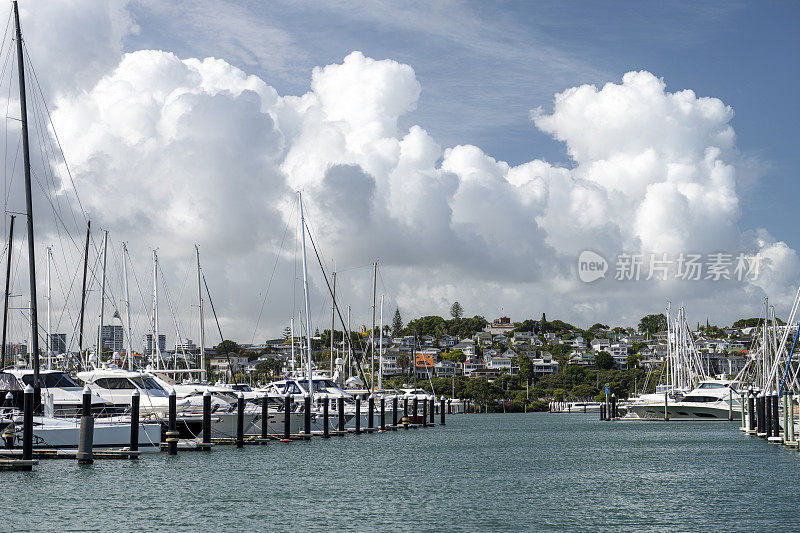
(711, 386)
(700, 399)
(114, 383)
(9, 382)
(291, 388)
(147, 383)
(51, 380)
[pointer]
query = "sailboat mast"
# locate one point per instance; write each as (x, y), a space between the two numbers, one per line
(102, 300)
(333, 316)
(372, 331)
(380, 350)
(26, 158)
(349, 344)
(127, 305)
(48, 343)
(8, 286)
(305, 291)
(291, 333)
(156, 347)
(83, 292)
(200, 302)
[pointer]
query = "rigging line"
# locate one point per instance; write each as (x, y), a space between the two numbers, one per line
(272, 275)
(345, 328)
(222, 339)
(58, 216)
(175, 321)
(8, 104)
(58, 141)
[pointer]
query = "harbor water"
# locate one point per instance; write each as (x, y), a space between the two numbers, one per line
(478, 473)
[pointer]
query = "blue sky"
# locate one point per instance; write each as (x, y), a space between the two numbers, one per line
(483, 66)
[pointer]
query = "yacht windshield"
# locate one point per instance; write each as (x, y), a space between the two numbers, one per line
(712, 386)
(147, 383)
(51, 380)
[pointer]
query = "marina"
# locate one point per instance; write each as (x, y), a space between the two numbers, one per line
(469, 475)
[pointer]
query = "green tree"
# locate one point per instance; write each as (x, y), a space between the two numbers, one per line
(287, 333)
(633, 360)
(456, 311)
(456, 356)
(403, 362)
(397, 323)
(229, 347)
(269, 367)
(652, 324)
(604, 361)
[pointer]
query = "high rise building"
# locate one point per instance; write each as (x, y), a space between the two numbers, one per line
(58, 343)
(112, 338)
(147, 343)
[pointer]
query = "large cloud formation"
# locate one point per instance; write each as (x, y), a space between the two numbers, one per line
(169, 151)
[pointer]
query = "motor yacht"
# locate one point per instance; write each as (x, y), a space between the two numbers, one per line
(711, 399)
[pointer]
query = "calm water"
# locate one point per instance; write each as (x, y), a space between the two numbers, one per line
(478, 473)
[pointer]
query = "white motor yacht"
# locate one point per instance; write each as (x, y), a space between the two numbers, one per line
(711, 399)
(60, 391)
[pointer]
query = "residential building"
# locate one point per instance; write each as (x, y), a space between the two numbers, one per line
(58, 342)
(112, 338)
(148, 346)
(499, 326)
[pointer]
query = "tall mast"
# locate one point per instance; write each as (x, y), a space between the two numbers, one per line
(291, 332)
(372, 331)
(156, 347)
(380, 350)
(83, 292)
(127, 304)
(200, 303)
(102, 300)
(349, 344)
(26, 158)
(8, 282)
(48, 342)
(305, 291)
(333, 316)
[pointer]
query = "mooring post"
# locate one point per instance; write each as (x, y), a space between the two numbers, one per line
(287, 420)
(741, 408)
(207, 417)
(383, 413)
(424, 413)
(666, 406)
(358, 415)
(432, 420)
(415, 408)
(240, 420)
(751, 412)
(326, 433)
(340, 409)
(730, 403)
(27, 421)
(134, 445)
(768, 415)
(790, 425)
(405, 406)
(785, 417)
(441, 412)
(265, 418)
(394, 413)
(307, 413)
(761, 415)
(86, 432)
(776, 420)
(172, 432)
(603, 412)
(371, 413)
(613, 406)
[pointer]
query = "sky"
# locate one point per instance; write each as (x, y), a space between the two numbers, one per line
(475, 150)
